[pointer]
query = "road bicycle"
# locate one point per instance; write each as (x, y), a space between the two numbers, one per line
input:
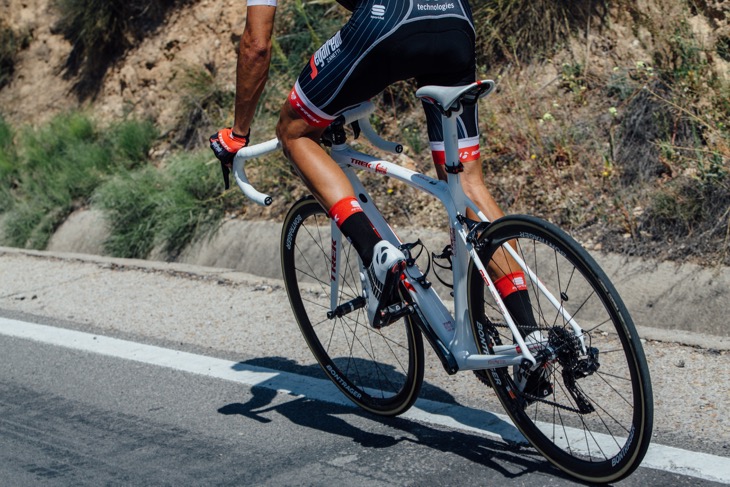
(592, 415)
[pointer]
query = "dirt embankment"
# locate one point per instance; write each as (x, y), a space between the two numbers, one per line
(144, 83)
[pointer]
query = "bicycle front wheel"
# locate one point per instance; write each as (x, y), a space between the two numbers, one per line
(379, 370)
(593, 414)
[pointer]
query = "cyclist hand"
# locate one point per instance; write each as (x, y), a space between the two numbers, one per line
(225, 144)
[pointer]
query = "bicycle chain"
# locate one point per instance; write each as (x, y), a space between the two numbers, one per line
(527, 396)
(550, 403)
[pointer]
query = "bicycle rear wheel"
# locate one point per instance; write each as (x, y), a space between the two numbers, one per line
(379, 370)
(594, 418)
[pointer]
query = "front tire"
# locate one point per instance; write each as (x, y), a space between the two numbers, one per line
(379, 370)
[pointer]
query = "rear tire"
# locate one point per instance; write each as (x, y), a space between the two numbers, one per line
(379, 370)
(608, 439)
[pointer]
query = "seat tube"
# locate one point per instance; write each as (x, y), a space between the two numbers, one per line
(460, 258)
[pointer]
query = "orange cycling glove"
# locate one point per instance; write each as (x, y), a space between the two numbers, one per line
(225, 144)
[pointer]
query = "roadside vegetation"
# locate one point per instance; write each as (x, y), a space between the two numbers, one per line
(631, 154)
(633, 157)
(50, 171)
(71, 163)
(163, 209)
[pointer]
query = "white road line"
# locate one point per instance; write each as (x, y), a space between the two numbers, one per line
(660, 457)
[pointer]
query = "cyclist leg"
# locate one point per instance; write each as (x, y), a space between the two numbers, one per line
(508, 277)
(310, 109)
(320, 173)
(325, 88)
(383, 263)
(503, 269)
(472, 178)
(381, 44)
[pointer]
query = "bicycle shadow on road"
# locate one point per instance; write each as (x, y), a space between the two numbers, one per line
(332, 418)
(428, 391)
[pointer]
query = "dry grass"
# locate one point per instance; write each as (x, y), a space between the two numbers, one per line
(519, 30)
(633, 159)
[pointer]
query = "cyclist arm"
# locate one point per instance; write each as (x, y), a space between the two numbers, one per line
(252, 69)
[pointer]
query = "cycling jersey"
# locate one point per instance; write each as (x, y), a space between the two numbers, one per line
(387, 41)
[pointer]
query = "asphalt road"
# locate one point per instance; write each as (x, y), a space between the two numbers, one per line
(71, 417)
(149, 410)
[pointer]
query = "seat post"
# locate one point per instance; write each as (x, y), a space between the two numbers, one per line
(451, 141)
(453, 163)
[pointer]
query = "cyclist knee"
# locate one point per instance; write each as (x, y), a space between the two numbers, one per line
(291, 128)
(283, 130)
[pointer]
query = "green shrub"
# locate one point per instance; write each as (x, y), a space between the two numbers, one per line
(62, 161)
(55, 165)
(58, 167)
(8, 165)
(31, 225)
(191, 204)
(151, 208)
(20, 223)
(130, 202)
(7, 150)
(129, 142)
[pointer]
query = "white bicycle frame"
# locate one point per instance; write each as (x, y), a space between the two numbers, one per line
(450, 335)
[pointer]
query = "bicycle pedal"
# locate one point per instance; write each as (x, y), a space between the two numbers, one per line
(394, 312)
(348, 307)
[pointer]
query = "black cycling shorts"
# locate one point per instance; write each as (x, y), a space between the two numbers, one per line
(387, 41)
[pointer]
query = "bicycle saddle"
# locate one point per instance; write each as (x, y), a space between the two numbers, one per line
(449, 98)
